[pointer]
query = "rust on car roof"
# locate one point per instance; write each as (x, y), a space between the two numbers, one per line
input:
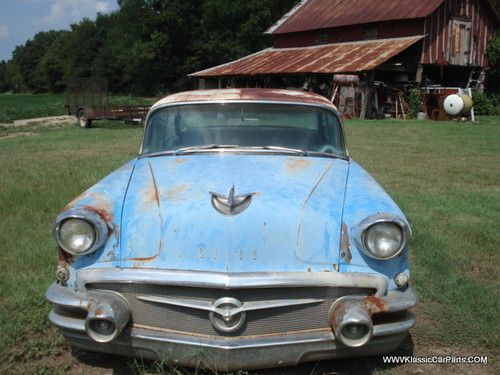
(348, 57)
(244, 94)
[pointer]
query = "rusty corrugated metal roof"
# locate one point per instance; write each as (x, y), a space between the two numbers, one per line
(348, 57)
(323, 14)
(243, 94)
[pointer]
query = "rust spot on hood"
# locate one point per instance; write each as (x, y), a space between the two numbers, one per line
(106, 215)
(98, 204)
(345, 244)
(175, 193)
(138, 261)
(152, 195)
(295, 165)
(96, 199)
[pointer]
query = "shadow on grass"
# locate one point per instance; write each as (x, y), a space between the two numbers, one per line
(132, 366)
(119, 364)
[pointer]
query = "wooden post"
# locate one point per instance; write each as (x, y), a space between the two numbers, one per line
(397, 107)
(419, 75)
(402, 107)
(366, 102)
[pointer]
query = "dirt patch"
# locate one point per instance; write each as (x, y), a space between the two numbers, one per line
(19, 134)
(41, 121)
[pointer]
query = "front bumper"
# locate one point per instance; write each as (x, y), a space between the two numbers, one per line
(234, 352)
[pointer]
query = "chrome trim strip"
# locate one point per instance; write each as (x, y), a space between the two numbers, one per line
(203, 279)
(394, 301)
(65, 322)
(278, 340)
(246, 306)
(399, 300)
(394, 328)
(66, 297)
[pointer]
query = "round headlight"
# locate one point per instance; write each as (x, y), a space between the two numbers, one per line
(80, 231)
(77, 236)
(384, 240)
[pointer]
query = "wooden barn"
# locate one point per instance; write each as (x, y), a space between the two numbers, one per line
(365, 55)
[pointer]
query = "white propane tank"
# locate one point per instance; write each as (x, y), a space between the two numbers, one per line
(457, 104)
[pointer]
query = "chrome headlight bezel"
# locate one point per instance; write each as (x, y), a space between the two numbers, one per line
(378, 219)
(100, 229)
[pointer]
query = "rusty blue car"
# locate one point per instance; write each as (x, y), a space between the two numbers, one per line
(243, 234)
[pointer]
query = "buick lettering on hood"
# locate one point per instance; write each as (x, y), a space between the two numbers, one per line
(242, 234)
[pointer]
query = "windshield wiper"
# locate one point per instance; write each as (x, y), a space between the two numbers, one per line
(288, 150)
(185, 150)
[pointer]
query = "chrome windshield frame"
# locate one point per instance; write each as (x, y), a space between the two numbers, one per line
(331, 109)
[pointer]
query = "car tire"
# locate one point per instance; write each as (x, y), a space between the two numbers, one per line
(83, 121)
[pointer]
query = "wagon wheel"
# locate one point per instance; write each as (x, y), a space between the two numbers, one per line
(83, 120)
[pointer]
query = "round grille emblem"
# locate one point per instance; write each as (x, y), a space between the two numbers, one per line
(227, 315)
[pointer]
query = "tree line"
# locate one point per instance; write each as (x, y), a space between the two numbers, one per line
(145, 47)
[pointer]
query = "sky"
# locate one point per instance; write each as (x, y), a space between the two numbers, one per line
(20, 20)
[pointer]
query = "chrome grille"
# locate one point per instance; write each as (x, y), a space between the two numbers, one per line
(269, 321)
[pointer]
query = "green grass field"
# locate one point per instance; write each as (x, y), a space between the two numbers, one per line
(24, 106)
(445, 176)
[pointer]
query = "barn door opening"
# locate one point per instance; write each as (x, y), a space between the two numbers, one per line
(461, 38)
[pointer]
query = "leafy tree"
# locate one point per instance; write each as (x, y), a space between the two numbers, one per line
(4, 81)
(233, 29)
(15, 78)
(493, 53)
(28, 57)
(146, 46)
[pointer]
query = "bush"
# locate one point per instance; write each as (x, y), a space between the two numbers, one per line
(484, 105)
(415, 102)
(493, 54)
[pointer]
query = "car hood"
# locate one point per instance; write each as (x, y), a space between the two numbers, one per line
(293, 222)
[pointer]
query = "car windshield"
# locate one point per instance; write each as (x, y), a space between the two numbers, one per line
(308, 130)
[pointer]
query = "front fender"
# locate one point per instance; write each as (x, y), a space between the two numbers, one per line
(364, 198)
(105, 199)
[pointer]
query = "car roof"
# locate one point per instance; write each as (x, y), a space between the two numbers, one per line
(277, 95)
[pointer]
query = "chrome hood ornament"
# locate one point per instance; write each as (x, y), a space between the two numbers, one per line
(231, 204)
